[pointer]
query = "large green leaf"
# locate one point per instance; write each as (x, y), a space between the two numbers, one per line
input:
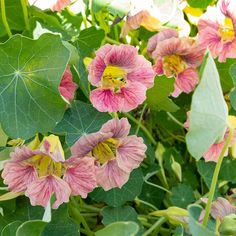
(232, 95)
(158, 95)
(113, 214)
(31, 228)
(81, 119)
(118, 196)
(30, 74)
(199, 4)
(208, 118)
(119, 228)
(195, 227)
(61, 224)
(11, 228)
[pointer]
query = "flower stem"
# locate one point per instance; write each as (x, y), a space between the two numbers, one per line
(25, 12)
(215, 178)
(158, 224)
(4, 18)
(110, 40)
(174, 119)
(142, 127)
(140, 119)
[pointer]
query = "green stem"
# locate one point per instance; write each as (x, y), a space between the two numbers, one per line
(146, 203)
(158, 224)
(140, 119)
(142, 127)
(91, 208)
(113, 41)
(215, 178)
(25, 12)
(80, 219)
(91, 12)
(174, 119)
(4, 18)
(157, 186)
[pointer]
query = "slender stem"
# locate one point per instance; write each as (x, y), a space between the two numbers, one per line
(91, 208)
(110, 40)
(157, 186)
(4, 18)
(140, 119)
(80, 219)
(142, 127)
(158, 224)
(91, 12)
(25, 12)
(146, 203)
(215, 178)
(174, 119)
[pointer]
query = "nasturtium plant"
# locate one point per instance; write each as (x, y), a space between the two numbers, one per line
(117, 117)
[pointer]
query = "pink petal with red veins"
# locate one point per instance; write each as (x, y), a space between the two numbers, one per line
(118, 127)
(214, 151)
(105, 100)
(80, 175)
(67, 86)
(185, 82)
(133, 95)
(162, 35)
(87, 142)
(18, 175)
(130, 153)
(60, 5)
(22, 153)
(111, 176)
(123, 56)
(158, 67)
(41, 190)
(143, 73)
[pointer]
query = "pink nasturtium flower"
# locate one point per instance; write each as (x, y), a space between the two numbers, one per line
(217, 30)
(54, 5)
(213, 153)
(116, 154)
(67, 86)
(42, 172)
(176, 57)
(121, 77)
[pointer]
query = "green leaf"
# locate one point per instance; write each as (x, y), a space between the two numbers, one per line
(118, 196)
(232, 95)
(113, 214)
(61, 224)
(206, 170)
(182, 195)
(11, 228)
(209, 112)
(227, 170)
(158, 95)
(179, 231)
(119, 228)
(81, 119)
(30, 74)
(195, 227)
(15, 21)
(31, 228)
(199, 4)
(3, 138)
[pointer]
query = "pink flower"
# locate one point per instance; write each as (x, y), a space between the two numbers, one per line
(116, 153)
(176, 57)
(44, 172)
(121, 77)
(213, 153)
(54, 5)
(217, 30)
(220, 208)
(67, 86)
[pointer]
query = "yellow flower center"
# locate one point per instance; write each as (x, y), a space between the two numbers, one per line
(173, 65)
(105, 151)
(113, 77)
(226, 31)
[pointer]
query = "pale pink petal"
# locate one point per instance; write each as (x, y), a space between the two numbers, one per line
(123, 56)
(80, 175)
(67, 86)
(158, 67)
(143, 73)
(60, 5)
(111, 176)
(186, 123)
(118, 127)
(41, 190)
(18, 175)
(214, 151)
(162, 35)
(185, 82)
(105, 100)
(130, 153)
(84, 145)
(22, 153)
(133, 95)
(228, 51)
